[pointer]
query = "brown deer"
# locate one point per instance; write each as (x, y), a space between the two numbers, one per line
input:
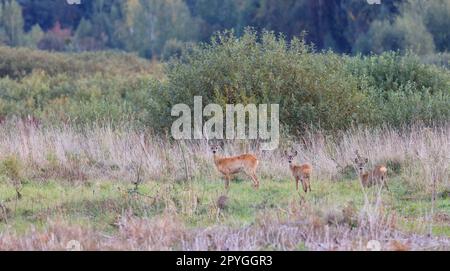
(300, 172)
(229, 166)
(368, 178)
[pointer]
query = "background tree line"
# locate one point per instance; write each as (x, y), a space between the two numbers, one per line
(161, 28)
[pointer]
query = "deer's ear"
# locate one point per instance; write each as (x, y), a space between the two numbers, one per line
(295, 152)
(356, 160)
(367, 160)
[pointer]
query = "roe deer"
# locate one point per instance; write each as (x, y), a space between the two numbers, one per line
(300, 172)
(228, 166)
(368, 178)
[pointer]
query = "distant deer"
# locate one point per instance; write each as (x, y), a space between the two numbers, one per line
(300, 172)
(368, 178)
(228, 166)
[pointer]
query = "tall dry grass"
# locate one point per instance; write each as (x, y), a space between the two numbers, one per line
(301, 230)
(422, 154)
(418, 156)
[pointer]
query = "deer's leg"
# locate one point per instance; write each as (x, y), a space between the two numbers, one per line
(384, 180)
(250, 176)
(308, 182)
(227, 182)
(254, 178)
(296, 183)
(364, 182)
(304, 184)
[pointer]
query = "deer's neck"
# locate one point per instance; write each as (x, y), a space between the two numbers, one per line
(292, 167)
(364, 175)
(217, 159)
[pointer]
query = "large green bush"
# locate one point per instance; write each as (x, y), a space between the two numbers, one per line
(61, 98)
(402, 89)
(323, 90)
(391, 71)
(312, 89)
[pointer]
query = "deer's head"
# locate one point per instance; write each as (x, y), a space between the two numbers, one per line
(290, 156)
(360, 162)
(215, 147)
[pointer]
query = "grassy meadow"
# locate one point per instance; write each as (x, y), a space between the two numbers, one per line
(122, 189)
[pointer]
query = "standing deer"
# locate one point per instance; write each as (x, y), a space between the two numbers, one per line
(228, 166)
(368, 178)
(300, 172)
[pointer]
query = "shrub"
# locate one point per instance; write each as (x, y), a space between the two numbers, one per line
(391, 71)
(11, 167)
(19, 62)
(310, 88)
(314, 90)
(402, 89)
(59, 98)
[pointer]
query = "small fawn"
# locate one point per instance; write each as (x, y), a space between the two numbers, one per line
(300, 172)
(228, 166)
(368, 178)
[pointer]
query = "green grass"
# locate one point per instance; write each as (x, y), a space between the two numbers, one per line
(98, 203)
